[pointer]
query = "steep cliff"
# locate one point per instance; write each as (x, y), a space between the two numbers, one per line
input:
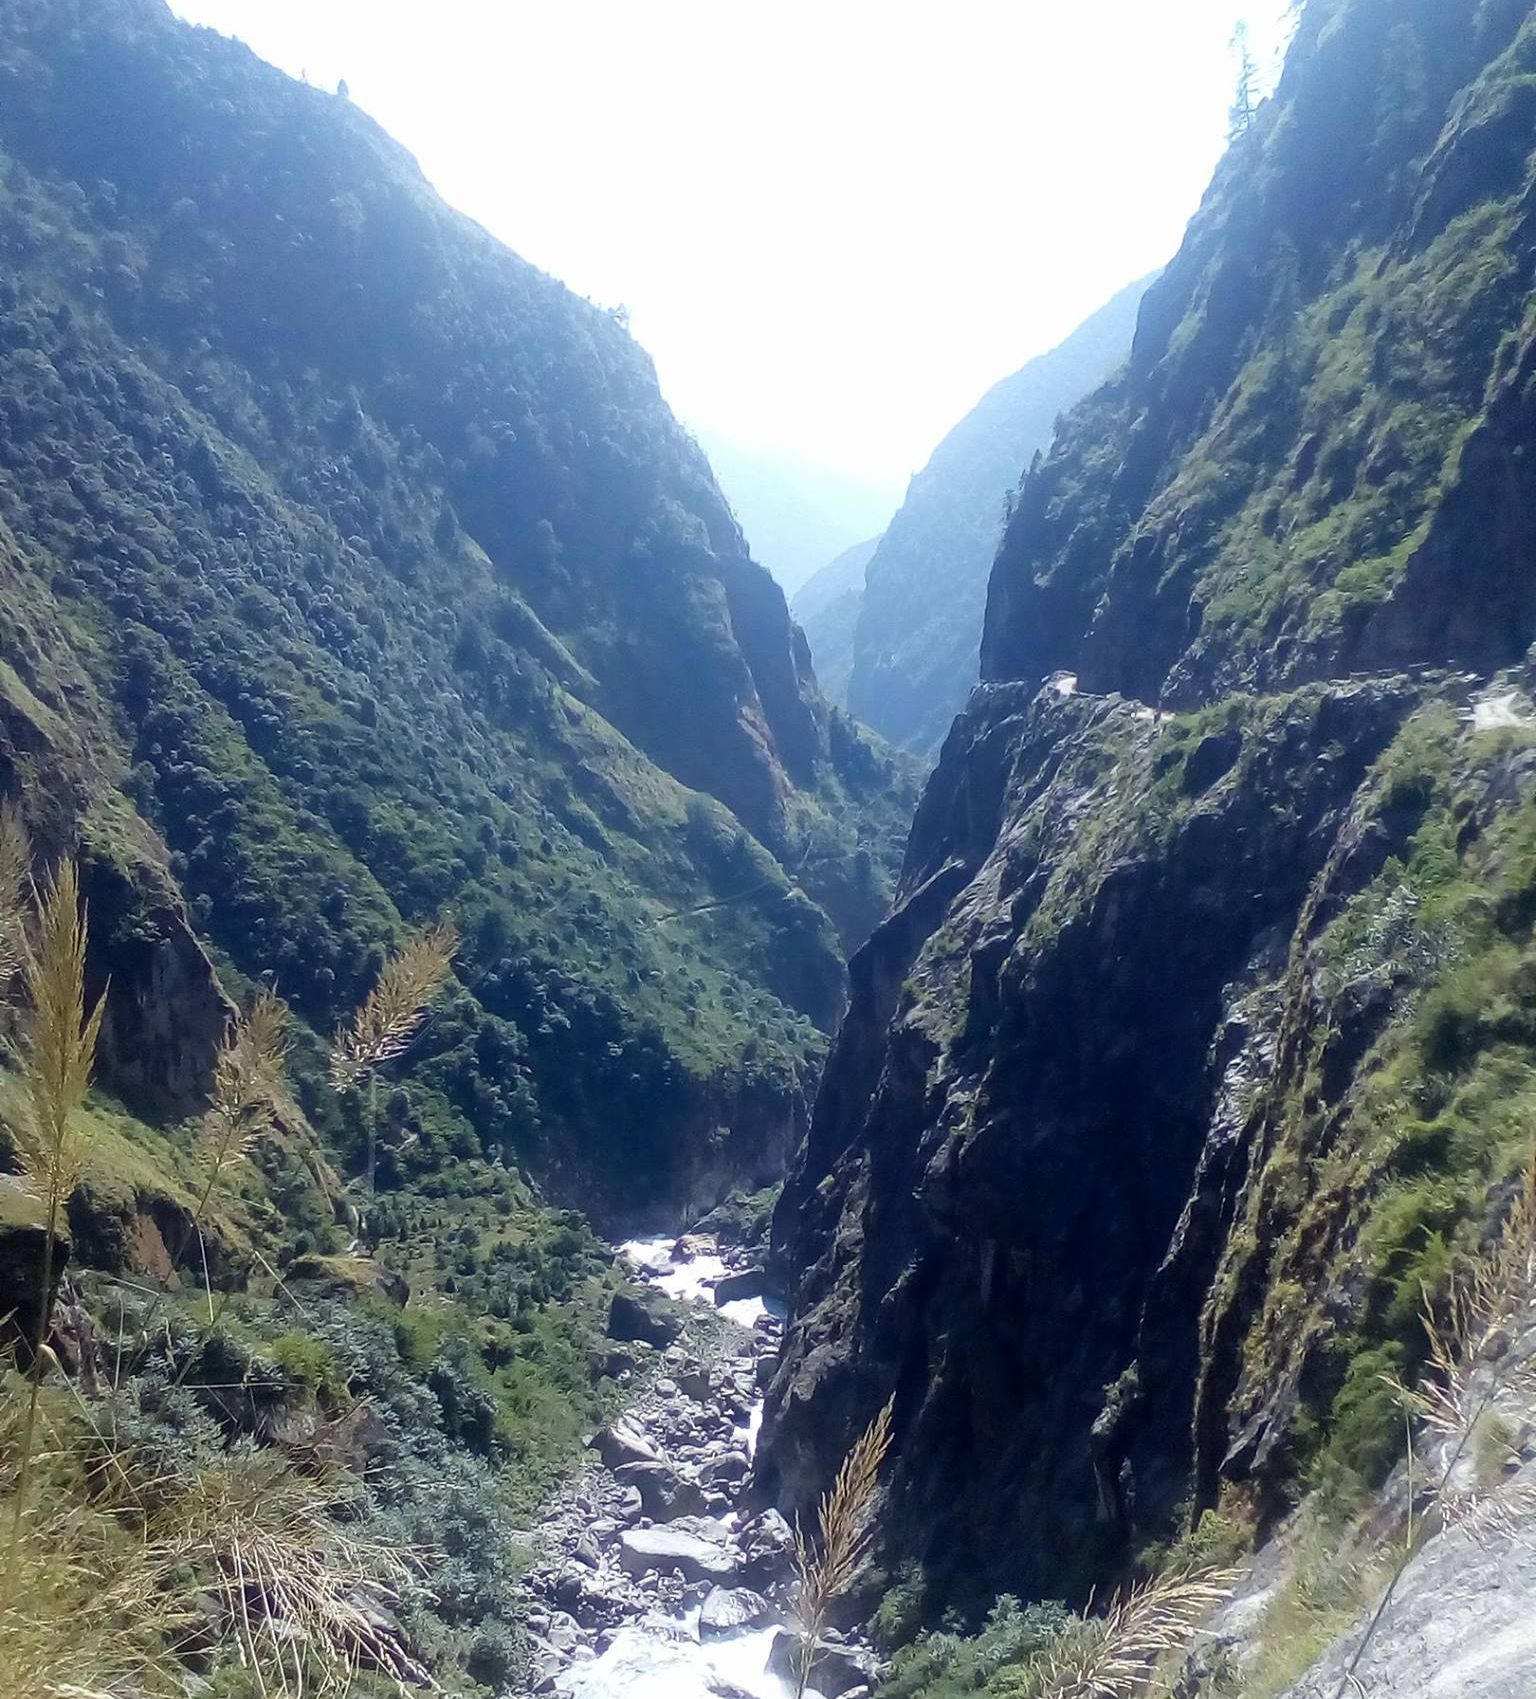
(918, 622)
(827, 607)
(1201, 1034)
(354, 570)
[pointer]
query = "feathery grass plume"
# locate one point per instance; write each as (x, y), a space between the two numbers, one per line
(391, 1015)
(393, 1010)
(825, 1568)
(124, 1554)
(1470, 1364)
(58, 1047)
(1115, 1655)
(247, 1075)
(58, 1042)
(15, 865)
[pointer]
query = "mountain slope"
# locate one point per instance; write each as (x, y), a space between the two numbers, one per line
(798, 514)
(826, 607)
(919, 622)
(368, 575)
(1199, 1042)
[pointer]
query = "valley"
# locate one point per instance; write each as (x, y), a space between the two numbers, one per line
(563, 1134)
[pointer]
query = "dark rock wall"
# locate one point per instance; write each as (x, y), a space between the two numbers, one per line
(1091, 1181)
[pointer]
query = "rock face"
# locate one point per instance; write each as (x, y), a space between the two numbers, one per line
(916, 618)
(827, 608)
(1124, 1171)
(23, 1243)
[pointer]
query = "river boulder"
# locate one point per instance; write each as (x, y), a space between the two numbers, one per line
(622, 1442)
(745, 1283)
(665, 1492)
(643, 1317)
(835, 1669)
(666, 1549)
(727, 1609)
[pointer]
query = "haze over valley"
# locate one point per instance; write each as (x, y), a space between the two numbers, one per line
(767, 850)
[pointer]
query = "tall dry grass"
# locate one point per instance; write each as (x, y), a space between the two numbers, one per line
(825, 1567)
(1117, 1655)
(111, 1569)
(1472, 1363)
(58, 1046)
(390, 1017)
(300, 1593)
(130, 1577)
(247, 1077)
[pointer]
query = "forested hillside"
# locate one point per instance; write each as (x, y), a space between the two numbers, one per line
(426, 855)
(371, 577)
(353, 575)
(1197, 1054)
(917, 626)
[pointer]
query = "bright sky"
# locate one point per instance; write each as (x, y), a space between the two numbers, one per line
(834, 222)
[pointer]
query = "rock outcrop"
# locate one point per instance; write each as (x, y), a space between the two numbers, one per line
(1172, 1071)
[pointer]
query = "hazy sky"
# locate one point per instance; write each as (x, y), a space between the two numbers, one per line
(834, 222)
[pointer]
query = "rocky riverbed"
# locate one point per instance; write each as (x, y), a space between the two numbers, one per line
(650, 1583)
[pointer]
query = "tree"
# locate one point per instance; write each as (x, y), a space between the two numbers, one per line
(1245, 103)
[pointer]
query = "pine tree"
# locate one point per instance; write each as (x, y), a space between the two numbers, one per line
(1245, 103)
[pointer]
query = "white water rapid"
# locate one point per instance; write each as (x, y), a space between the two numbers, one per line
(663, 1657)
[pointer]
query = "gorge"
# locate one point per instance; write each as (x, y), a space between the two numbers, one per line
(1137, 1114)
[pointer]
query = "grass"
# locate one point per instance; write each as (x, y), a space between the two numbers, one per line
(153, 1526)
(128, 1573)
(826, 1566)
(1121, 1651)
(1387, 1186)
(58, 1046)
(1320, 1596)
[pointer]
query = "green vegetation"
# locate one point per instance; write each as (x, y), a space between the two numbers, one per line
(1324, 1590)
(384, 611)
(1238, 509)
(239, 1464)
(1000, 1660)
(742, 1219)
(371, 637)
(1305, 556)
(1400, 1177)
(1047, 1652)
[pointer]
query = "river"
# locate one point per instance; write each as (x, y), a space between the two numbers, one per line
(660, 1654)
